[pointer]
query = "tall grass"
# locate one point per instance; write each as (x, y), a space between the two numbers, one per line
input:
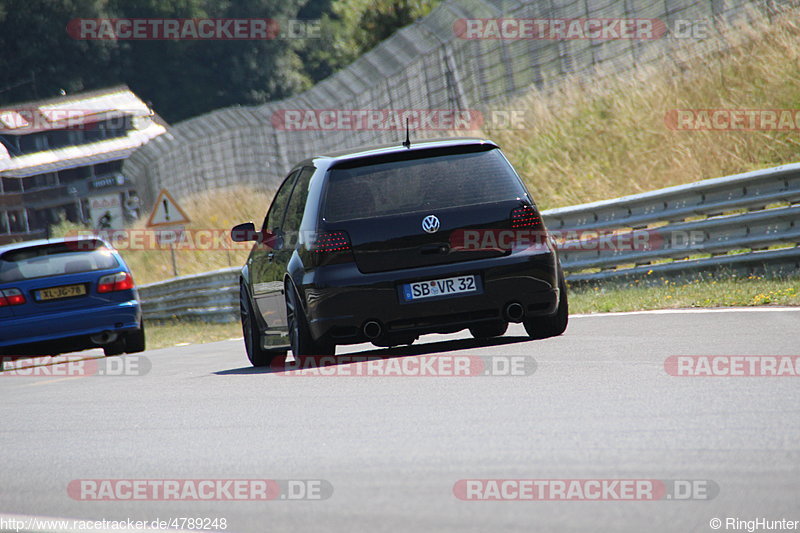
(216, 210)
(591, 141)
(211, 210)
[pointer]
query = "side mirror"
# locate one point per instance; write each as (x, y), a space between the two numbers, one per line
(245, 232)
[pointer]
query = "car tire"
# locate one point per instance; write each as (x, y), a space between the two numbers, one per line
(554, 325)
(115, 348)
(257, 355)
(135, 340)
(300, 338)
(488, 330)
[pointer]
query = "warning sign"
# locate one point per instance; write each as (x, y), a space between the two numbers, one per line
(166, 212)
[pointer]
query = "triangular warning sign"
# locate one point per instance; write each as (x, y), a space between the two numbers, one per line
(166, 212)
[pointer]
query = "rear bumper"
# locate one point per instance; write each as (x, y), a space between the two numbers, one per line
(340, 299)
(70, 325)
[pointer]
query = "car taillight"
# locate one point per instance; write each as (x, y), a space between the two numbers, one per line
(331, 247)
(121, 281)
(528, 227)
(11, 297)
(525, 217)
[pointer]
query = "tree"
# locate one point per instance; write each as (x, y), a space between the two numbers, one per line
(353, 27)
(184, 78)
(38, 60)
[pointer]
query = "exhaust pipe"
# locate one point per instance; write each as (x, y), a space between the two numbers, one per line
(514, 312)
(105, 337)
(372, 329)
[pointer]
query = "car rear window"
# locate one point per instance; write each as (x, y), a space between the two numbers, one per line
(55, 259)
(425, 184)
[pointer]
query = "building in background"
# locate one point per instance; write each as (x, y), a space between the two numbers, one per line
(62, 158)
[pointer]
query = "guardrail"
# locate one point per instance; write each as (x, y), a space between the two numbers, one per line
(732, 223)
(428, 65)
(210, 297)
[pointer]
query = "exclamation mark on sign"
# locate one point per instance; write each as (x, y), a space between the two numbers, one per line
(166, 209)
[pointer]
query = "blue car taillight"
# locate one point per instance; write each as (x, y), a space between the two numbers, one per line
(11, 297)
(121, 281)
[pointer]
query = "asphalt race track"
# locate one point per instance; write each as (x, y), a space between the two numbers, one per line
(596, 403)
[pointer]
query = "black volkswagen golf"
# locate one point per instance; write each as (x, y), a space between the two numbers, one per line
(388, 243)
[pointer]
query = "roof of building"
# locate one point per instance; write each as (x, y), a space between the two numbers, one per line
(76, 111)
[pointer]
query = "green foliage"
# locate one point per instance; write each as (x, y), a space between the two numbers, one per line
(186, 78)
(351, 28)
(66, 228)
(368, 22)
(38, 59)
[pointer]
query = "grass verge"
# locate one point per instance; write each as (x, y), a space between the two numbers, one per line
(610, 137)
(163, 334)
(728, 292)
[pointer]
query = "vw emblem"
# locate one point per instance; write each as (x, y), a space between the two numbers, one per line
(430, 224)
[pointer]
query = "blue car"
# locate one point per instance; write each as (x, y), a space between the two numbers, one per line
(66, 295)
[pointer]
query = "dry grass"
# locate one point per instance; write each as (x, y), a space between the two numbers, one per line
(593, 141)
(215, 210)
(589, 142)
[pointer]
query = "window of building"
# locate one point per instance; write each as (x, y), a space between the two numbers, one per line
(35, 142)
(16, 222)
(58, 139)
(39, 181)
(112, 167)
(12, 185)
(74, 174)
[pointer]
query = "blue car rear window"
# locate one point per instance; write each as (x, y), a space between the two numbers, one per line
(55, 260)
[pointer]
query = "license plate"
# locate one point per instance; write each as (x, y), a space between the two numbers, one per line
(440, 287)
(65, 291)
